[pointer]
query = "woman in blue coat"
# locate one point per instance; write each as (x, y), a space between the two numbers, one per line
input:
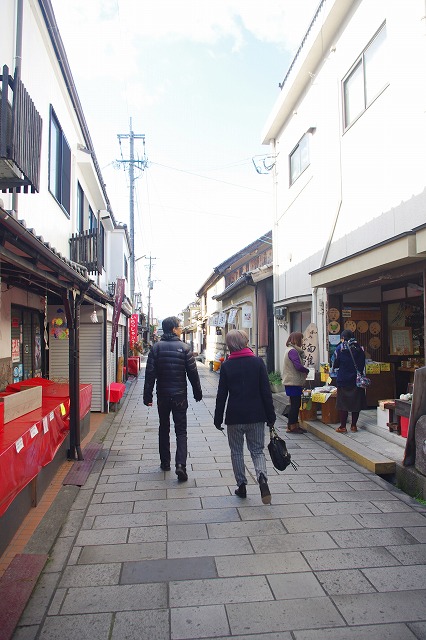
(350, 398)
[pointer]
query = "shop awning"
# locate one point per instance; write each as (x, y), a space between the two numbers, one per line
(390, 254)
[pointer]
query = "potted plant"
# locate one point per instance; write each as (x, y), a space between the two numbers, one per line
(275, 381)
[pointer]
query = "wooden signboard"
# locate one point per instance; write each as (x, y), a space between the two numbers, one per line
(20, 403)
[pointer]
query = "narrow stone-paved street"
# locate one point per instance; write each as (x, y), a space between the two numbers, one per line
(339, 555)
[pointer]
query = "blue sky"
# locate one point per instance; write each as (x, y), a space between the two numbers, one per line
(199, 79)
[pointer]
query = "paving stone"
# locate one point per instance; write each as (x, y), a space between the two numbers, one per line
(409, 554)
(419, 533)
(26, 633)
(102, 536)
(263, 563)
(340, 508)
(143, 519)
(202, 516)
(148, 534)
(122, 552)
(292, 542)
(133, 496)
(273, 511)
(283, 615)
(248, 528)
(219, 591)
(40, 599)
(339, 477)
(311, 487)
(214, 547)
(114, 508)
(141, 625)
(116, 487)
(344, 582)
(379, 521)
(72, 524)
(370, 632)
(375, 608)
(188, 623)
(350, 558)
(133, 597)
(169, 569)
(90, 575)
(369, 495)
(397, 578)
(295, 585)
(372, 537)
(321, 523)
(419, 629)
(198, 492)
(83, 627)
(181, 504)
(187, 532)
(59, 554)
(391, 506)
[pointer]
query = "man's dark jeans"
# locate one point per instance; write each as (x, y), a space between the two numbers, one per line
(177, 405)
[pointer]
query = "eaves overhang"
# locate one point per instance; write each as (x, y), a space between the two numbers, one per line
(398, 251)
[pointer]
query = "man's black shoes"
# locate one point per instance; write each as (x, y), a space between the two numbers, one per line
(264, 490)
(165, 467)
(181, 473)
(241, 492)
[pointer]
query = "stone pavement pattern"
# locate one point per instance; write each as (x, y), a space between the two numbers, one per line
(339, 555)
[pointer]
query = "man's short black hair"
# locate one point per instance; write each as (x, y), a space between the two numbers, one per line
(170, 323)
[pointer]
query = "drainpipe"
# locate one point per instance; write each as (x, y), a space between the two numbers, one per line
(18, 61)
(275, 248)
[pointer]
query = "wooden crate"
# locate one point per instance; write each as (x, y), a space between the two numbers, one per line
(18, 404)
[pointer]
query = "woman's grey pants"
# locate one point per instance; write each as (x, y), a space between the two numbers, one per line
(255, 438)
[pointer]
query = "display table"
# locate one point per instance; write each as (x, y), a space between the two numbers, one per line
(133, 365)
(30, 442)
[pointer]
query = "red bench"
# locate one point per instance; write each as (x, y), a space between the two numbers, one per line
(115, 392)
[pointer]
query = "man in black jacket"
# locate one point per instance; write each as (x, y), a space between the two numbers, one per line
(170, 361)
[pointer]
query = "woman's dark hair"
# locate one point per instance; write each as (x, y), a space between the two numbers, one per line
(347, 334)
(170, 323)
(295, 338)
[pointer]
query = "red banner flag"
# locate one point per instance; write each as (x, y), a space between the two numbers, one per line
(133, 329)
(118, 301)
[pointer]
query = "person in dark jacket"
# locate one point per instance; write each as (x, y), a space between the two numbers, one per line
(170, 362)
(245, 385)
(350, 398)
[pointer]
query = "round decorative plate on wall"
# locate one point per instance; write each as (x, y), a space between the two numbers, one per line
(374, 343)
(333, 327)
(362, 326)
(375, 328)
(333, 314)
(350, 325)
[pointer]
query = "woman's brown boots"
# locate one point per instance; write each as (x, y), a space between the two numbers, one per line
(295, 428)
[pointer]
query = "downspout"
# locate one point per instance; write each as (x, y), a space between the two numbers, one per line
(275, 247)
(327, 248)
(17, 76)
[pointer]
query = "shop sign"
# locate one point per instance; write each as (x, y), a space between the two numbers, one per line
(247, 316)
(16, 352)
(232, 316)
(221, 320)
(133, 329)
(118, 301)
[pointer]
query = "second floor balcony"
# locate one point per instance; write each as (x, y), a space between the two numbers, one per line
(86, 249)
(20, 137)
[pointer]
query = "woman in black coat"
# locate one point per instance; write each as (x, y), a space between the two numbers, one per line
(350, 398)
(245, 385)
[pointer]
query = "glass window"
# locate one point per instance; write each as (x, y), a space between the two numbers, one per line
(299, 320)
(367, 78)
(80, 208)
(59, 164)
(299, 158)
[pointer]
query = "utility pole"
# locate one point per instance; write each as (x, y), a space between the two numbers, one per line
(139, 164)
(150, 286)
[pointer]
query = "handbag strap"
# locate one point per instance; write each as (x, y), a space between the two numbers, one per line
(353, 360)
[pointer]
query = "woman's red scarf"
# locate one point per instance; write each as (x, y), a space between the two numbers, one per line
(243, 353)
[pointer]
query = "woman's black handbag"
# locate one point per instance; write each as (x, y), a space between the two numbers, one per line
(277, 448)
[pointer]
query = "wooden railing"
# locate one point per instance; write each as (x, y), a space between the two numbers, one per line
(20, 137)
(85, 249)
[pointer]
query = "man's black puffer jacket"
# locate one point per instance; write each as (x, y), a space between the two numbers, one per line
(169, 362)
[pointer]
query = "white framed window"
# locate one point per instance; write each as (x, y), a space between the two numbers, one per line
(299, 158)
(59, 164)
(367, 78)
